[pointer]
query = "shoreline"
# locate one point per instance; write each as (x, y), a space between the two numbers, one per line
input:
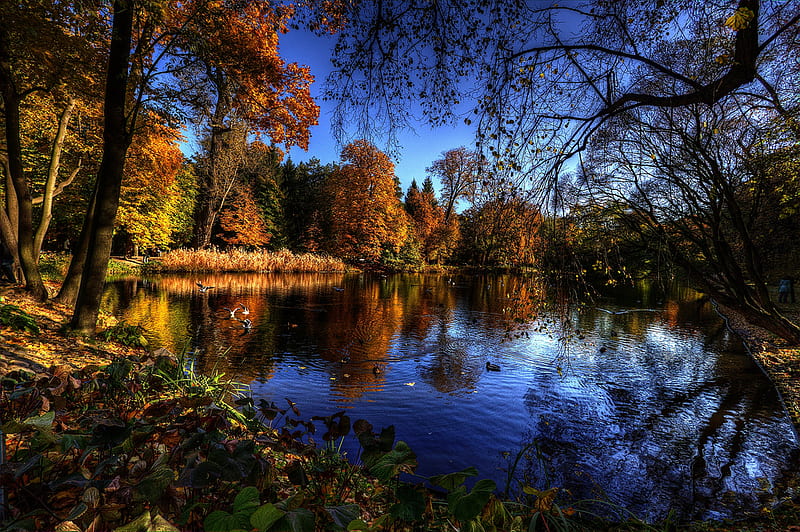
(779, 361)
(41, 353)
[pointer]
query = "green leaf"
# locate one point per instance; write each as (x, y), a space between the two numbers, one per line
(220, 521)
(246, 501)
(265, 516)
(452, 480)
(410, 505)
(153, 485)
(344, 514)
(485, 485)
(137, 525)
(466, 507)
(162, 525)
(146, 523)
(41, 422)
(299, 520)
(400, 459)
(358, 524)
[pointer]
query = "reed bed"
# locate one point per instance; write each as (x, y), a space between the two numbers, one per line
(186, 260)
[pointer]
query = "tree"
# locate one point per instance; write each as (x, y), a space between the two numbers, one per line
(693, 181)
(218, 171)
(241, 221)
(540, 79)
(31, 35)
(501, 231)
(459, 171)
(235, 84)
(366, 216)
(436, 237)
(542, 82)
(303, 188)
(237, 39)
(152, 196)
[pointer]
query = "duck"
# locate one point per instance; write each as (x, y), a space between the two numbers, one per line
(247, 324)
(203, 288)
(492, 367)
(376, 369)
(338, 289)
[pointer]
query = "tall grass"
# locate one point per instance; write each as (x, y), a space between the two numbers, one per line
(184, 260)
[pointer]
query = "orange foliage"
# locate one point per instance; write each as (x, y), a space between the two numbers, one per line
(436, 237)
(503, 231)
(241, 39)
(366, 214)
(241, 221)
(150, 193)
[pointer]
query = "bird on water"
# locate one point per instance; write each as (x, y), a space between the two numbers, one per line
(203, 288)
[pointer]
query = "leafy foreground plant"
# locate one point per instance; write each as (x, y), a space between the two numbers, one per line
(145, 445)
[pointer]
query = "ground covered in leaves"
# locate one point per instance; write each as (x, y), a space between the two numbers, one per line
(48, 346)
(100, 437)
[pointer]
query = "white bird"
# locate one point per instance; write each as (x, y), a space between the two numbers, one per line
(203, 288)
(245, 309)
(232, 312)
(247, 324)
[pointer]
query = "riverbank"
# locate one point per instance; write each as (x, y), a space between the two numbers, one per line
(780, 361)
(49, 351)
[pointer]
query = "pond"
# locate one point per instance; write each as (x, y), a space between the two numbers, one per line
(650, 404)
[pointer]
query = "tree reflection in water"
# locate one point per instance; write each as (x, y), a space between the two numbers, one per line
(651, 410)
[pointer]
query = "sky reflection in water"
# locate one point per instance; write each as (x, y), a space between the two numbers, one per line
(653, 404)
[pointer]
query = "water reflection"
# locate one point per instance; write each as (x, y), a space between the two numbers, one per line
(656, 406)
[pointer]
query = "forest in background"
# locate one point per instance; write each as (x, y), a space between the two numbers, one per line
(670, 149)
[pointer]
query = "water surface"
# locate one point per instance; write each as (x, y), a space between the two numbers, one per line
(649, 403)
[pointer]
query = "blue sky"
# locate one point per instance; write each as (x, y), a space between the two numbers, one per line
(418, 149)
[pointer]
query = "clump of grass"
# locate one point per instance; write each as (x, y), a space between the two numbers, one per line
(53, 266)
(14, 317)
(125, 334)
(184, 260)
(120, 269)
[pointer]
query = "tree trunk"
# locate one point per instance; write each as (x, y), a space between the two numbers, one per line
(52, 175)
(72, 282)
(116, 140)
(219, 179)
(11, 102)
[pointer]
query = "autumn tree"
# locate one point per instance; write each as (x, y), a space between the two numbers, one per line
(366, 216)
(235, 84)
(150, 47)
(501, 231)
(218, 168)
(263, 177)
(694, 181)
(152, 194)
(48, 55)
(459, 172)
(241, 221)
(436, 237)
